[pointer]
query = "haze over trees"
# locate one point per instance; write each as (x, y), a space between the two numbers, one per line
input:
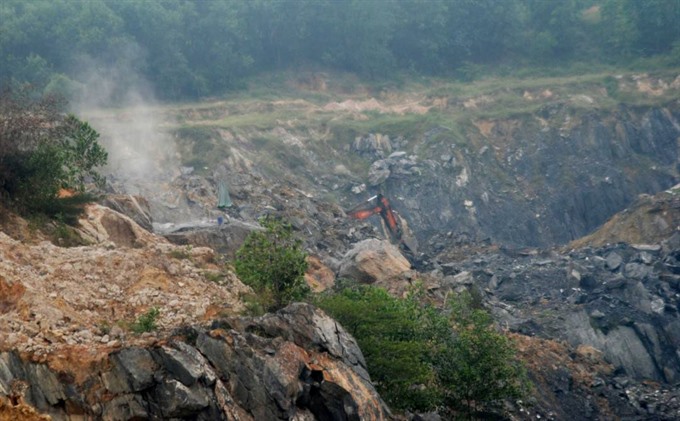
(194, 48)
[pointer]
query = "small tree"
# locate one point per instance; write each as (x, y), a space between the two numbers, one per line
(419, 359)
(273, 263)
(43, 151)
(480, 366)
(399, 339)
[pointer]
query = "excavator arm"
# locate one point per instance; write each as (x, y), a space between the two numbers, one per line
(378, 205)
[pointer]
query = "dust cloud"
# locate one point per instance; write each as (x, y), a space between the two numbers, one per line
(120, 105)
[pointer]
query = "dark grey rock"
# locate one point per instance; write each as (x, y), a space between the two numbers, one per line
(177, 400)
(637, 271)
(614, 261)
(125, 407)
(138, 365)
(588, 281)
(225, 239)
(46, 389)
(185, 363)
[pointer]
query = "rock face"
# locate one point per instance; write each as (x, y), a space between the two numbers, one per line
(622, 300)
(618, 304)
(530, 183)
(101, 224)
(537, 180)
(295, 364)
(135, 207)
(372, 260)
(225, 238)
(648, 220)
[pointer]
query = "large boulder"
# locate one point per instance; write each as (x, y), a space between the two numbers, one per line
(101, 224)
(135, 207)
(372, 261)
(225, 238)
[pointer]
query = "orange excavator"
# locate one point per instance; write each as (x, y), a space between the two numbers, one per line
(379, 205)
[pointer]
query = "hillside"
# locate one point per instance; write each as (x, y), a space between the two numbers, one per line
(649, 220)
(532, 162)
(550, 199)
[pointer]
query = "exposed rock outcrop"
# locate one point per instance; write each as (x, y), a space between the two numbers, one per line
(527, 183)
(650, 219)
(622, 300)
(101, 224)
(135, 207)
(374, 145)
(225, 238)
(295, 364)
(55, 297)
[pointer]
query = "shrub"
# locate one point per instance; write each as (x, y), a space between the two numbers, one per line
(146, 322)
(399, 339)
(43, 151)
(421, 359)
(480, 367)
(273, 263)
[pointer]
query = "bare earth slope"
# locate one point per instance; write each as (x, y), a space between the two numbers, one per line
(650, 219)
(69, 345)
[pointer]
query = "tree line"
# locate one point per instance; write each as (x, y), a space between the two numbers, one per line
(194, 48)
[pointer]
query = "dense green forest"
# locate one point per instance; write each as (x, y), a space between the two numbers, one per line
(194, 48)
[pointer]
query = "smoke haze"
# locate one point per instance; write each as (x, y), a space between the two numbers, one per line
(121, 106)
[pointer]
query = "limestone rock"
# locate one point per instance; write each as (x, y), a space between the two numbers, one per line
(226, 238)
(372, 261)
(135, 207)
(378, 172)
(102, 224)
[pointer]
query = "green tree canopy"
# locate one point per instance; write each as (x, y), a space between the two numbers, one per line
(273, 263)
(420, 358)
(191, 48)
(43, 151)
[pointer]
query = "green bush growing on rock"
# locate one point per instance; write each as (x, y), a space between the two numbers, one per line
(146, 322)
(421, 359)
(479, 368)
(273, 263)
(399, 339)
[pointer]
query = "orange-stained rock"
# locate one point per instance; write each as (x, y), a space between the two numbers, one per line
(10, 294)
(19, 412)
(319, 277)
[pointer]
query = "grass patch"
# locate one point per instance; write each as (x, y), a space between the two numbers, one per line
(292, 101)
(181, 254)
(218, 278)
(146, 322)
(409, 126)
(201, 147)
